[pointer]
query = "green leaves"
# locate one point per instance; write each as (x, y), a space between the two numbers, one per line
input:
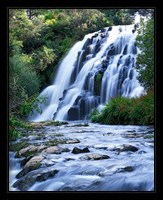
(145, 60)
(122, 110)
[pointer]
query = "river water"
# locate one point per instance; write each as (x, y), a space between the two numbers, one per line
(123, 170)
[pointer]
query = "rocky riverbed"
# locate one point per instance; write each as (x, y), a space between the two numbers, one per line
(78, 156)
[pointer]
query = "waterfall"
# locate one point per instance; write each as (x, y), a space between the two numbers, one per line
(99, 67)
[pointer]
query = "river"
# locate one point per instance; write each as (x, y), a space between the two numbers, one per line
(117, 158)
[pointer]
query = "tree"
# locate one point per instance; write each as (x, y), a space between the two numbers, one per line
(145, 59)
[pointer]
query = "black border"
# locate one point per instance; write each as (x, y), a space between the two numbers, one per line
(4, 96)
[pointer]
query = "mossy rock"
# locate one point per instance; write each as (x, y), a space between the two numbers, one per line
(55, 142)
(18, 146)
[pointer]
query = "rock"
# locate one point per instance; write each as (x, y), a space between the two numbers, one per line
(47, 163)
(76, 150)
(32, 164)
(68, 159)
(111, 51)
(46, 175)
(27, 151)
(25, 182)
(94, 156)
(142, 152)
(103, 30)
(126, 147)
(110, 28)
(34, 161)
(125, 169)
(37, 125)
(73, 113)
(72, 141)
(31, 149)
(55, 150)
(25, 160)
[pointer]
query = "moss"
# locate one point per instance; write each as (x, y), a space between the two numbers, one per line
(17, 146)
(149, 136)
(55, 142)
(26, 154)
(97, 84)
(47, 123)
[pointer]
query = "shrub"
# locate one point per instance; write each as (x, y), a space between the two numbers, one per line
(122, 110)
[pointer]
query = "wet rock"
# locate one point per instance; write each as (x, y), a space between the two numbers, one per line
(36, 125)
(104, 148)
(25, 160)
(103, 30)
(31, 149)
(77, 150)
(132, 135)
(28, 150)
(94, 156)
(126, 147)
(111, 51)
(72, 141)
(68, 159)
(32, 164)
(125, 169)
(142, 152)
(46, 175)
(47, 163)
(55, 150)
(25, 182)
(125, 50)
(110, 28)
(73, 113)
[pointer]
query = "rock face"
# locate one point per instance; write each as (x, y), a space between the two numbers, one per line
(77, 150)
(94, 156)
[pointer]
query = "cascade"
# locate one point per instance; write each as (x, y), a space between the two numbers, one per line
(100, 67)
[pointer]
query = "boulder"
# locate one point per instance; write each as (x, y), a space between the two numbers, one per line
(55, 150)
(32, 164)
(126, 147)
(73, 113)
(25, 182)
(31, 149)
(77, 150)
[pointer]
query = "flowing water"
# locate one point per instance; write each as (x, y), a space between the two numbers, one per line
(123, 170)
(99, 67)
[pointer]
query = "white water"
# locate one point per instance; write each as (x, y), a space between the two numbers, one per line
(76, 174)
(73, 94)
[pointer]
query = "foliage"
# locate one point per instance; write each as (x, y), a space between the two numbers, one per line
(40, 38)
(31, 104)
(122, 110)
(14, 124)
(119, 16)
(145, 60)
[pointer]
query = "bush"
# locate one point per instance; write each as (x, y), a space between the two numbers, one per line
(14, 124)
(122, 110)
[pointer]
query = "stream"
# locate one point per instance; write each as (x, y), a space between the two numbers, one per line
(87, 157)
